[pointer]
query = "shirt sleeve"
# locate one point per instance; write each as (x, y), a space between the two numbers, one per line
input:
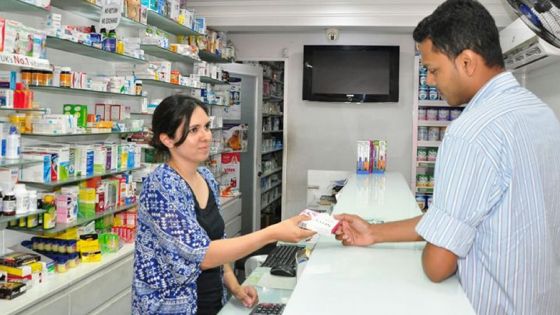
(183, 241)
(468, 186)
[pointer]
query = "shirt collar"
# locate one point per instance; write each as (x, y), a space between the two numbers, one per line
(497, 84)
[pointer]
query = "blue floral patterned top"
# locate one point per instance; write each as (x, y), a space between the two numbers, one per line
(170, 244)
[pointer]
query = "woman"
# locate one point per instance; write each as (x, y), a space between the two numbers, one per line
(182, 259)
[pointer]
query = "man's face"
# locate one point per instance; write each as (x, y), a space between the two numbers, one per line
(444, 74)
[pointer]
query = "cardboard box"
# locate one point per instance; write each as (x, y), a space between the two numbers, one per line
(78, 111)
(229, 182)
(38, 173)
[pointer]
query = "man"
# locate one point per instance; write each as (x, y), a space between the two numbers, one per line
(495, 216)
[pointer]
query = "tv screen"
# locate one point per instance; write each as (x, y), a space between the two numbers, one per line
(351, 73)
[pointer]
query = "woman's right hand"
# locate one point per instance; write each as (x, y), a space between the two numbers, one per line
(289, 231)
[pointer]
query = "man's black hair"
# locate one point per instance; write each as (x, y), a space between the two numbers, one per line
(457, 25)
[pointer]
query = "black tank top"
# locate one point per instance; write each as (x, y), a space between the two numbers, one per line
(209, 283)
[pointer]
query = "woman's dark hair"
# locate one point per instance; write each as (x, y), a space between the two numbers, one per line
(168, 117)
(457, 25)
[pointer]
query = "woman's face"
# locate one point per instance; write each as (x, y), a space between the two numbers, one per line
(196, 146)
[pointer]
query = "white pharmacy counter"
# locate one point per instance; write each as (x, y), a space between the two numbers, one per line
(379, 279)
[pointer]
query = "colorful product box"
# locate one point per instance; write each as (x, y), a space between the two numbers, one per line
(364, 157)
(59, 168)
(99, 159)
(83, 160)
(38, 173)
(78, 111)
(229, 183)
(67, 205)
(112, 156)
(372, 156)
(86, 201)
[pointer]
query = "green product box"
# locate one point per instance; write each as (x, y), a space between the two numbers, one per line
(86, 210)
(78, 111)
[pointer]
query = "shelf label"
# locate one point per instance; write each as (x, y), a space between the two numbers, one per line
(23, 61)
(111, 15)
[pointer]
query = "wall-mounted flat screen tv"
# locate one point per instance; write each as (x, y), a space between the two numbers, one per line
(351, 73)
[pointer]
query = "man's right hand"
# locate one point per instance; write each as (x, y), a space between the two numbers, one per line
(354, 231)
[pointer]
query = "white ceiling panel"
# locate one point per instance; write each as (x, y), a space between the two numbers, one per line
(285, 15)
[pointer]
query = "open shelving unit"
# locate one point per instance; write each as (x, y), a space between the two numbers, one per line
(89, 51)
(424, 151)
(169, 25)
(160, 52)
(73, 91)
(90, 11)
(78, 179)
(61, 227)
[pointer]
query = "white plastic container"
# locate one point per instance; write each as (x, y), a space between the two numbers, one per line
(13, 144)
(32, 200)
(22, 199)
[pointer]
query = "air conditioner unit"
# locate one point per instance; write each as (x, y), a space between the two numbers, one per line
(524, 50)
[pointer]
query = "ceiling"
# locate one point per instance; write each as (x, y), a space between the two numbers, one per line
(307, 15)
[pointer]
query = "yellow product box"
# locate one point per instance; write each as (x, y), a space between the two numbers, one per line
(23, 271)
(88, 247)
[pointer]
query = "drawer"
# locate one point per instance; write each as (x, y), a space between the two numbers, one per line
(233, 227)
(232, 210)
(98, 289)
(58, 304)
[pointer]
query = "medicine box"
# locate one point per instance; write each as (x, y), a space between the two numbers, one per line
(38, 173)
(99, 159)
(83, 160)
(78, 111)
(363, 158)
(62, 162)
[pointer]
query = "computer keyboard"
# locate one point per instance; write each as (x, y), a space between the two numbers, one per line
(268, 309)
(282, 255)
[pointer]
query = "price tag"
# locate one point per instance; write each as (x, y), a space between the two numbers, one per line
(111, 15)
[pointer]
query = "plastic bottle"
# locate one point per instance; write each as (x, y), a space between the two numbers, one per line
(9, 202)
(49, 217)
(3, 138)
(22, 199)
(32, 200)
(12, 144)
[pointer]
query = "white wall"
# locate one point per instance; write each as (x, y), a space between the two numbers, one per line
(323, 135)
(544, 83)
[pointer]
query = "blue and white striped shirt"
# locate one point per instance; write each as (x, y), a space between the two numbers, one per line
(496, 204)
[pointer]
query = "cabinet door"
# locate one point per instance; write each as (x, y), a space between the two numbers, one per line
(120, 304)
(233, 227)
(231, 210)
(96, 290)
(58, 304)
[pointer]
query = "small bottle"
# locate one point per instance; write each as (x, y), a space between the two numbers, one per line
(103, 33)
(27, 76)
(22, 199)
(32, 221)
(13, 144)
(66, 77)
(138, 87)
(120, 46)
(9, 203)
(32, 194)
